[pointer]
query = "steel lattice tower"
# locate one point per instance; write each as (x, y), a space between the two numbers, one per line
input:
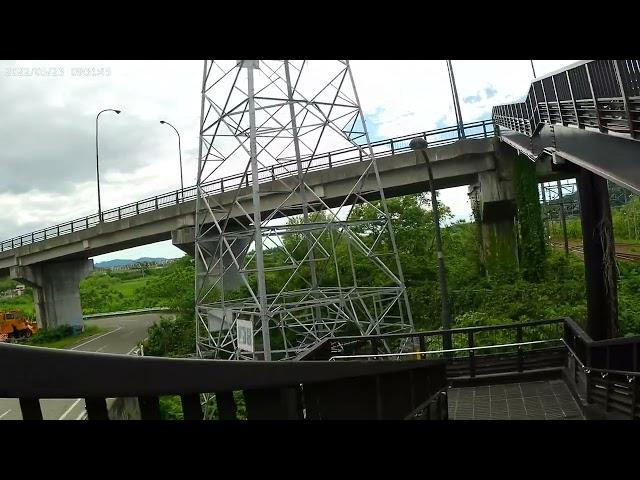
(277, 260)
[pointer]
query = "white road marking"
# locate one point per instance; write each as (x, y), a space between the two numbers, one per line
(78, 346)
(96, 338)
(5, 413)
(84, 412)
(101, 348)
(70, 408)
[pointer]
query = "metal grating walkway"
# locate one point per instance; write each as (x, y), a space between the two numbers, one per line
(542, 400)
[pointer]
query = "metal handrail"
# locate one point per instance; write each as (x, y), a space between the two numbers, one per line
(285, 168)
(603, 94)
(464, 349)
(355, 339)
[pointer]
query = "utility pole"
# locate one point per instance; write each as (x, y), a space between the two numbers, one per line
(420, 144)
(98, 162)
(563, 220)
(456, 102)
(533, 69)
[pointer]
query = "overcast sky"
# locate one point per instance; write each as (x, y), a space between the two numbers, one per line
(47, 127)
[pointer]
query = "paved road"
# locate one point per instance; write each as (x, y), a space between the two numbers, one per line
(122, 337)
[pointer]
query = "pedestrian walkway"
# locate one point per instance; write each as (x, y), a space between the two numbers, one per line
(542, 400)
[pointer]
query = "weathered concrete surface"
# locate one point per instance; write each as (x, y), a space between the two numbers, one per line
(493, 199)
(184, 239)
(56, 294)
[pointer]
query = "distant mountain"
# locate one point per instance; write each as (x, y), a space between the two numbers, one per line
(122, 262)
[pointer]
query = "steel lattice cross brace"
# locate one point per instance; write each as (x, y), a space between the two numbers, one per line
(285, 260)
(566, 195)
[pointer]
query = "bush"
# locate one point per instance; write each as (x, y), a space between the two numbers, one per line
(51, 335)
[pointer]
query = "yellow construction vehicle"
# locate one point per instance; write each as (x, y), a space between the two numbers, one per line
(16, 325)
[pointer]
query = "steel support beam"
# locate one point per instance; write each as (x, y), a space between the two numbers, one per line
(599, 256)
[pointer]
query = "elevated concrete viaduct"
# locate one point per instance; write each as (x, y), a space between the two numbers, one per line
(465, 162)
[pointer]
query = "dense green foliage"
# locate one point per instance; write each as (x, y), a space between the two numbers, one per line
(626, 224)
(531, 229)
(549, 284)
(114, 291)
(172, 288)
(629, 298)
(62, 336)
(171, 407)
(23, 303)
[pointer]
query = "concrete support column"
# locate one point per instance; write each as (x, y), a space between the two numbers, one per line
(494, 205)
(599, 256)
(56, 290)
(184, 239)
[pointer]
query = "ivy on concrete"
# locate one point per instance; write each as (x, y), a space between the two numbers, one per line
(532, 248)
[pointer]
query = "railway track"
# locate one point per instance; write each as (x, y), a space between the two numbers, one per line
(629, 257)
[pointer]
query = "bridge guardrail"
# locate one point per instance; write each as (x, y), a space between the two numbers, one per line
(602, 94)
(126, 312)
(285, 168)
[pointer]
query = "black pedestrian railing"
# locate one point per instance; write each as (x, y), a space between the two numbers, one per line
(271, 390)
(610, 368)
(340, 378)
(286, 167)
(476, 351)
(602, 94)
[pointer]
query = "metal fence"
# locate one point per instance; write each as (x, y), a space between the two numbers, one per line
(607, 370)
(271, 390)
(477, 351)
(286, 167)
(602, 94)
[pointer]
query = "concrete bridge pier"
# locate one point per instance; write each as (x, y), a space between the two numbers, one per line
(492, 199)
(184, 239)
(56, 290)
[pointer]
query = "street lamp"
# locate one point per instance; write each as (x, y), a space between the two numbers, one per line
(456, 101)
(97, 162)
(420, 144)
(179, 153)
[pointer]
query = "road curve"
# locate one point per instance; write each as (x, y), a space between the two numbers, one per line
(122, 335)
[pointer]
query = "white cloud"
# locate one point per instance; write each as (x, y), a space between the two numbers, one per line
(49, 132)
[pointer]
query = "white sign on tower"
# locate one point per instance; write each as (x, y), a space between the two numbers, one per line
(245, 335)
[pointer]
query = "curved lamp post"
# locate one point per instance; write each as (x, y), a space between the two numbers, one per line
(420, 144)
(97, 161)
(179, 153)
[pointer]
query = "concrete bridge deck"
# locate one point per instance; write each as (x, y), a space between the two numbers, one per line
(456, 164)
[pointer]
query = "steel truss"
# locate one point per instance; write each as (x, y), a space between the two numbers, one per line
(276, 253)
(554, 199)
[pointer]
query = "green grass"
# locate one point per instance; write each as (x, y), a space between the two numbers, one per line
(68, 341)
(24, 303)
(128, 287)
